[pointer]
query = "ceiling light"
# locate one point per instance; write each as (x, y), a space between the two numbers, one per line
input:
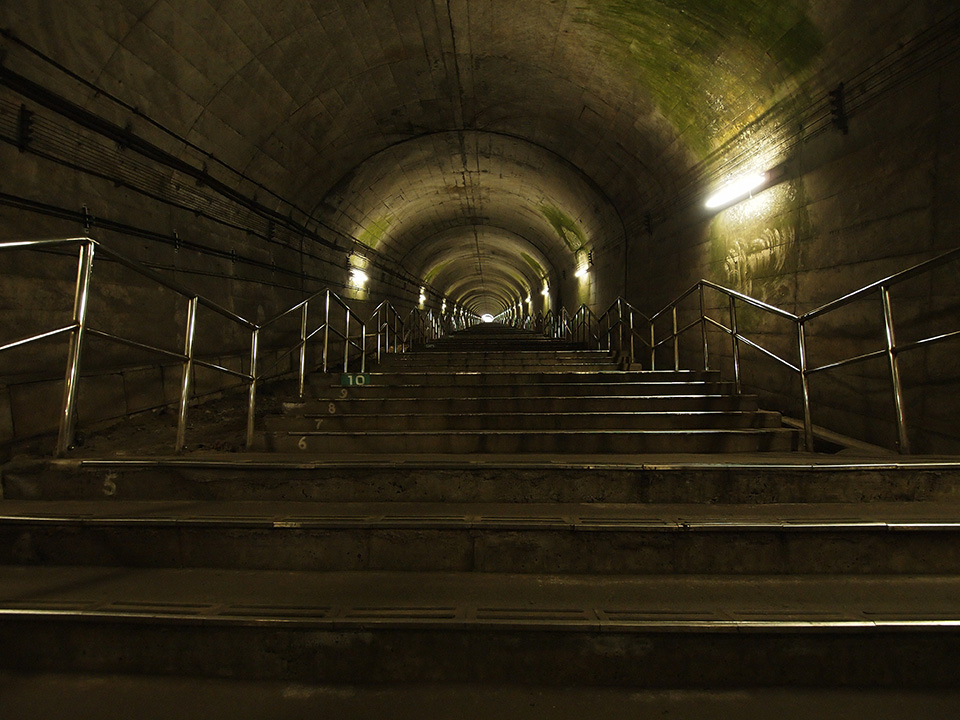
(546, 291)
(736, 190)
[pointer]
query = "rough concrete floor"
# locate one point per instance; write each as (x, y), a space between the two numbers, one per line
(82, 697)
(216, 425)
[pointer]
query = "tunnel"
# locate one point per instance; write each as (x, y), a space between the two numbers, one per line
(486, 157)
(479, 358)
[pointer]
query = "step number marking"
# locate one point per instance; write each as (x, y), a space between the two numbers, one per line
(354, 379)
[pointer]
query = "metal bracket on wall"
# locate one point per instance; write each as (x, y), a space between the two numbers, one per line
(838, 109)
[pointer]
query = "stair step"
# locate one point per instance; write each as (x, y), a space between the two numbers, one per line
(357, 402)
(829, 631)
(790, 478)
(119, 696)
(440, 378)
(548, 442)
(438, 422)
(914, 538)
(528, 390)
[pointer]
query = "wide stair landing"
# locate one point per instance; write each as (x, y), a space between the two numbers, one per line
(532, 539)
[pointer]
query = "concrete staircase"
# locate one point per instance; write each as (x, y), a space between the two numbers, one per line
(547, 523)
(496, 390)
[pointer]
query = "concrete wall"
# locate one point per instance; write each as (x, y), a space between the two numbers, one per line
(849, 210)
(246, 274)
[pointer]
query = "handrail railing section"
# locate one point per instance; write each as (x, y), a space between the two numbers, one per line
(389, 333)
(623, 328)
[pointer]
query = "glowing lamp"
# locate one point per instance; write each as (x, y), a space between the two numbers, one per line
(358, 277)
(736, 190)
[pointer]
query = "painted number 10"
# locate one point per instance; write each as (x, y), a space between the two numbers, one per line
(354, 380)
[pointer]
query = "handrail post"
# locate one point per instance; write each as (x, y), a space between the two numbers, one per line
(71, 379)
(303, 345)
(187, 379)
(676, 342)
(252, 395)
(621, 346)
(653, 343)
(326, 332)
(735, 339)
(902, 437)
(805, 387)
(346, 341)
(363, 348)
(703, 331)
(383, 335)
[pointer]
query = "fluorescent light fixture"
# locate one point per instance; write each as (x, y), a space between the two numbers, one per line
(736, 190)
(358, 277)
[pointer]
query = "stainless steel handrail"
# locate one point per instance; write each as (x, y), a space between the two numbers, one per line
(424, 327)
(891, 350)
(584, 322)
(78, 329)
(358, 342)
(383, 314)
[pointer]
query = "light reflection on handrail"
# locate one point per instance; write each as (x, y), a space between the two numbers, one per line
(892, 350)
(78, 328)
(35, 338)
(890, 281)
(621, 327)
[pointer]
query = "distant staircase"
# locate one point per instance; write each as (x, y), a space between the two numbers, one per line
(492, 510)
(496, 390)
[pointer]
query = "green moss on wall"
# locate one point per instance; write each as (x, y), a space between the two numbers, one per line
(565, 226)
(434, 271)
(537, 267)
(374, 232)
(710, 65)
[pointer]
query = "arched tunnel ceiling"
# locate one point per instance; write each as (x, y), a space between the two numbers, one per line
(495, 199)
(442, 115)
(502, 265)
